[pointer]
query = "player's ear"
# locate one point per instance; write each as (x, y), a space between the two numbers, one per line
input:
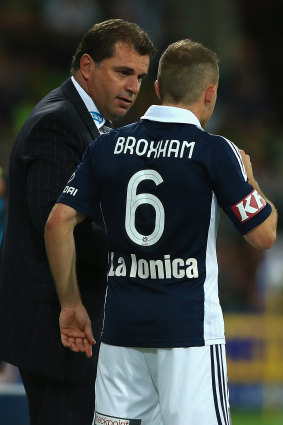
(86, 65)
(210, 94)
(156, 86)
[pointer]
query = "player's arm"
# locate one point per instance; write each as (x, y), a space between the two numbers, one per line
(75, 325)
(264, 235)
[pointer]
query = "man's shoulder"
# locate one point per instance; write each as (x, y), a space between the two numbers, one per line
(222, 144)
(55, 106)
(55, 102)
(51, 112)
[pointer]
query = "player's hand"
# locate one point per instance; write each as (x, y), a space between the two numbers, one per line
(75, 329)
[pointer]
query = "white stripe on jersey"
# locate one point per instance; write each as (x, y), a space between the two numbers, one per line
(224, 383)
(236, 151)
(219, 385)
(213, 317)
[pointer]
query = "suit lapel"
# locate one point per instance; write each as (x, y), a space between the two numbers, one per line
(71, 93)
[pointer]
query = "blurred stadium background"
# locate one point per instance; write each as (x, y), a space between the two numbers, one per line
(38, 38)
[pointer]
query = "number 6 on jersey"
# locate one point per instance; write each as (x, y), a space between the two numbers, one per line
(134, 200)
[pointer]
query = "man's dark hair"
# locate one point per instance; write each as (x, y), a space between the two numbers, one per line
(99, 41)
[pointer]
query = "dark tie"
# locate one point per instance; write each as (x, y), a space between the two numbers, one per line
(107, 126)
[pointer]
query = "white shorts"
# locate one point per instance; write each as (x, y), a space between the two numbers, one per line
(162, 386)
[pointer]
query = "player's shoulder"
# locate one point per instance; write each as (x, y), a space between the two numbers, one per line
(199, 134)
(226, 151)
(222, 143)
(128, 129)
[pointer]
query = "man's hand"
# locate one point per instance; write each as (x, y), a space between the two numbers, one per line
(75, 329)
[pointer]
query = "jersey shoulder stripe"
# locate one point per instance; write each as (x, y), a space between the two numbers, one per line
(236, 151)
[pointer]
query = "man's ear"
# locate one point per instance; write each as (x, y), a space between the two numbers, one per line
(210, 94)
(86, 64)
(156, 86)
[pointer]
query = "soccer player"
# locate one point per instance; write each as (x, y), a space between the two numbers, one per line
(157, 185)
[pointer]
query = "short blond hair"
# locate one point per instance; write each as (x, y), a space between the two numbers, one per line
(184, 71)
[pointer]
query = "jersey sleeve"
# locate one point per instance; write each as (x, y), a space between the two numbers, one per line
(81, 192)
(238, 198)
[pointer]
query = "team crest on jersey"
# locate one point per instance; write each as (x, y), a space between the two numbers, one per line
(249, 206)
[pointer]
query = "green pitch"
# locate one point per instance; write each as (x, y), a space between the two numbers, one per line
(256, 418)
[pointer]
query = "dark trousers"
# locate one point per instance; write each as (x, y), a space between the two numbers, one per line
(54, 403)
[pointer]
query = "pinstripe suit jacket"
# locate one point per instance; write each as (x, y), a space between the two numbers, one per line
(45, 154)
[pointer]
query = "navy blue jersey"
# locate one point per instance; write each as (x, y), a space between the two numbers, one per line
(157, 186)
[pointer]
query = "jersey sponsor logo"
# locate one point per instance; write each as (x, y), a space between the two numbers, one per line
(101, 419)
(249, 206)
(155, 149)
(166, 268)
(71, 190)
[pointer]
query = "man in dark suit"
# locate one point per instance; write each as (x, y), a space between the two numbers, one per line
(107, 69)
